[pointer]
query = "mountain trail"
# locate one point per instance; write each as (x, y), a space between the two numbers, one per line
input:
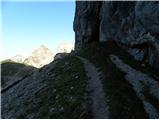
(96, 94)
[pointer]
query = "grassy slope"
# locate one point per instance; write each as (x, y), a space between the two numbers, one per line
(12, 69)
(65, 93)
(123, 101)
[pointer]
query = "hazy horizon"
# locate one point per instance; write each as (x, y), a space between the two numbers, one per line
(28, 25)
(54, 50)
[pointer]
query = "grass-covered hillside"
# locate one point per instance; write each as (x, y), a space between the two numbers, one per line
(12, 72)
(55, 91)
(65, 98)
(11, 68)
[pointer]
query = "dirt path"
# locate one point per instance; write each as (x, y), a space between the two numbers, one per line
(99, 106)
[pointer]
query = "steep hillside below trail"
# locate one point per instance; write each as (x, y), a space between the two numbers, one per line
(57, 90)
(96, 94)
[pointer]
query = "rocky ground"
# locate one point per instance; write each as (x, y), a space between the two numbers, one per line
(86, 87)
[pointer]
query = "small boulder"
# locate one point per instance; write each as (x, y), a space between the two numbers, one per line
(60, 56)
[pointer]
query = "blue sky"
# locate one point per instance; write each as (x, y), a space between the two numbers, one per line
(27, 25)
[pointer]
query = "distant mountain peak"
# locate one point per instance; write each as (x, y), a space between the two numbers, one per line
(18, 58)
(43, 47)
(40, 57)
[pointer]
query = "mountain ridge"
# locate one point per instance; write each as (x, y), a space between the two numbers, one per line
(42, 55)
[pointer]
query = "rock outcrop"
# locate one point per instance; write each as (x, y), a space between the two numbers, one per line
(64, 48)
(132, 25)
(60, 56)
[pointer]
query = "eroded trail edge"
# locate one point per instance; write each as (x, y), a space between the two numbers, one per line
(96, 94)
(137, 79)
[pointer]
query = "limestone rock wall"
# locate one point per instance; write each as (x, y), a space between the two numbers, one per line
(132, 24)
(86, 22)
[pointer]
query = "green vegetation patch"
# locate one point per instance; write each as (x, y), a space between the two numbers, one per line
(10, 68)
(64, 96)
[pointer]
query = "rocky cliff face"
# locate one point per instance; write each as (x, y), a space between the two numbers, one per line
(132, 25)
